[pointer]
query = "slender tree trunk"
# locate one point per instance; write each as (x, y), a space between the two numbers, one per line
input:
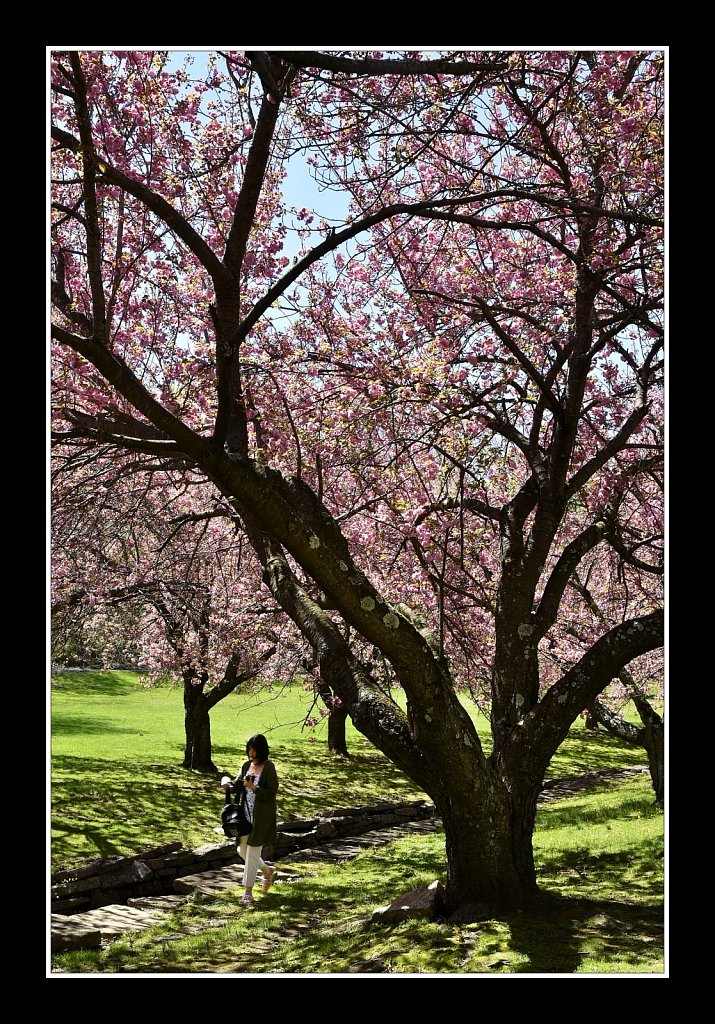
(650, 736)
(654, 743)
(590, 720)
(197, 728)
(337, 717)
(337, 742)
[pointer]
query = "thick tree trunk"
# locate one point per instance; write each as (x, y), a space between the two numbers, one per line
(490, 863)
(197, 728)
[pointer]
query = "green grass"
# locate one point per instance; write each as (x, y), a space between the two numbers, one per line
(117, 788)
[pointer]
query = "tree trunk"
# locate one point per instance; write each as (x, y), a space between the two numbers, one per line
(590, 720)
(337, 717)
(490, 863)
(654, 743)
(197, 728)
(650, 736)
(337, 743)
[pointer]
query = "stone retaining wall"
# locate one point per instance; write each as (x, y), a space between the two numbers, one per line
(104, 881)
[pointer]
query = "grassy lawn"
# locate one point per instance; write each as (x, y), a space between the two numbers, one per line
(117, 788)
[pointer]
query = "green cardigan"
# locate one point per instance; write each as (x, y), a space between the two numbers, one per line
(263, 832)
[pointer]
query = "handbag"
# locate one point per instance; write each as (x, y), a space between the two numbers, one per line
(233, 819)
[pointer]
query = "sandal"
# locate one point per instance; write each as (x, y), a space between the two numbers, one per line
(268, 878)
(246, 900)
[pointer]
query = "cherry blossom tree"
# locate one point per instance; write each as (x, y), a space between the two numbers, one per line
(436, 422)
(137, 551)
(650, 734)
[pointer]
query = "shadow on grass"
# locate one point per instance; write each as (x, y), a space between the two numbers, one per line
(108, 684)
(612, 869)
(582, 812)
(102, 807)
(556, 936)
(84, 726)
(363, 778)
(590, 751)
(560, 931)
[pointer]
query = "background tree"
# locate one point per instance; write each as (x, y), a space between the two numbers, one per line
(650, 734)
(641, 693)
(175, 590)
(433, 419)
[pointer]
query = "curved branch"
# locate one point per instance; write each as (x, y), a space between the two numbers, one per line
(579, 687)
(561, 575)
(616, 725)
(387, 66)
(232, 678)
(117, 373)
(626, 553)
(165, 449)
(608, 451)
(159, 206)
(333, 241)
(482, 508)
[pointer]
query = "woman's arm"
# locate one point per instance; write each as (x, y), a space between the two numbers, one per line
(234, 784)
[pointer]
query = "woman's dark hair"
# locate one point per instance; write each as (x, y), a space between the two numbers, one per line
(260, 744)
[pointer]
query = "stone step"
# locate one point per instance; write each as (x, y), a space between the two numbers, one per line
(90, 928)
(69, 933)
(209, 883)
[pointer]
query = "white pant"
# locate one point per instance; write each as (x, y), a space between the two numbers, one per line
(253, 861)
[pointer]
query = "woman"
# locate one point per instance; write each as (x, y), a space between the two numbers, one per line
(259, 780)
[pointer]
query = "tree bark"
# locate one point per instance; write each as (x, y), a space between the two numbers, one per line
(488, 840)
(337, 743)
(197, 728)
(654, 743)
(337, 717)
(590, 720)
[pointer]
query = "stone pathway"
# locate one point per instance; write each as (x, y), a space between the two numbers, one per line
(91, 928)
(351, 846)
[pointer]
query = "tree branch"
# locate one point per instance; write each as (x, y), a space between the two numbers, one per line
(159, 206)
(117, 373)
(388, 66)
(579, 687)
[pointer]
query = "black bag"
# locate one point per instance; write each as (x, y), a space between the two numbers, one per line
(232, 818)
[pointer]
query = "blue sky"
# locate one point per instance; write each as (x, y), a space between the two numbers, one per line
(299, 188)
